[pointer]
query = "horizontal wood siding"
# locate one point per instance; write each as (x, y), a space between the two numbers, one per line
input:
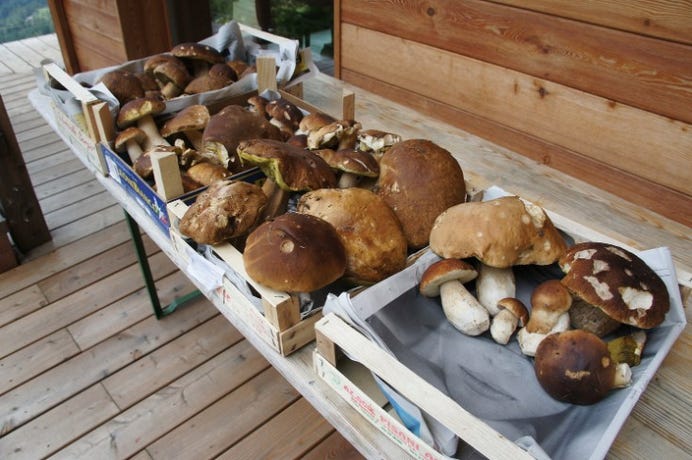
(608, 106)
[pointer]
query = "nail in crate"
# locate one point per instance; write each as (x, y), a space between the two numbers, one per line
(447, 386)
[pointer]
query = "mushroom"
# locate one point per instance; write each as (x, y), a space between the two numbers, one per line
(130, 140)
(494, 284)
(227, 128)
(219, 76)
(353, 165)
(294, 253)
(550, 303)
(142, 111)
(172, 77)
(376, 141)
(336, 135)
(512, 313)
(576, 367)
(258, 104)
(288, 169)
(419, 180)
(123, 84)
(227, 209)
(612, 286)
(369, 230)
(285, 115)
(199, 56)
(207, 173)
(191, 122)
(314, 121)
(628, 348)
(446, 278)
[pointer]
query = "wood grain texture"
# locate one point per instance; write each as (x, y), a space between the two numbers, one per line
(652, 74)
(668, 19)
(638, 142)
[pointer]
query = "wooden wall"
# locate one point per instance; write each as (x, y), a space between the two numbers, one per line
(600, 90)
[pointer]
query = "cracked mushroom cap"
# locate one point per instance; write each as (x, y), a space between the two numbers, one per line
(419, 180)
(198, 52)
(501, 233)
(370, 232)
(617, 282)
(376, 141)
(445, 270)
(137, 109)
(285, 112)
(194, 117)
(227, 209)
(575, 367)
(123, 84)
(294, 253)
(292, 168)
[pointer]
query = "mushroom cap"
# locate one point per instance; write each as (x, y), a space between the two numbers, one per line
(225, 210)
(299, 140)
(130, 134)
(294, 253)
(238, 66)
(173, 72)
(193, 117)
(231, 125)
(370, 232)
(616, 281)
(350, 161)
(314, 121)
(137, 109)
(285, 111)
(551, 295)
(219, 76)
(123, 84)
(376, 141)
(501, 232)
(292, 168)
(442, 271)
(330, 135)
(258, 105)
(419, 180)
(575, 367)
(154, 61)
(515, 306)
(207, 173)
(197, 51)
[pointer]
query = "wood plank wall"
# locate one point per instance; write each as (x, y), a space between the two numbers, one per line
(600, 90)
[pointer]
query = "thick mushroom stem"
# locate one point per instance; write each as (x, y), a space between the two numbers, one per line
(154, 138)
(503, 326)
(623, 375)
(134, 150)
(529, 341)
(462, 309)
(494, 284)
(347, 180)
(277, 200)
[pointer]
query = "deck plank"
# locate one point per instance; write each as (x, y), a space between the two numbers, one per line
(21, 303)
(79, 210)
(54, 202)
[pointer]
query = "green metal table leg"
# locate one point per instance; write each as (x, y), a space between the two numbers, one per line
(159, 311)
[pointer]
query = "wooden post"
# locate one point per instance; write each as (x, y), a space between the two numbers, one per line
(17, 198)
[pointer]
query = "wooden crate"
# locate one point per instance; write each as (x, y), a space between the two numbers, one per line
(340, 345)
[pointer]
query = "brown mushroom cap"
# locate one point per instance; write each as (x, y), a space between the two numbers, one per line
(376, 141)
(419, 180)
(314, 121)
(515, 306)
(225, 210)
(292, 168)
(193, 117)
(219, 76)
(442, 271)
(294, 253)
(575, 367)
(130, 134)
(549, 300)
(154, 61)
(137, 109)
(228, 127)
(285, 112)
(350, 161)
(500, 233)
(238, 66)
(197, 51)
(370, 232)
(616, 281)
(123, 84)
(207, 173)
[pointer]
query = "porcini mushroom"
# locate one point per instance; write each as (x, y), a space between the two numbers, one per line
(376, 141)
(494, 284)
(191, 122)
(352, 165)
(550, 303)
(123, 84)
(446, 278)
(219, 76)
(512, 313)
(613, 286)
(142, 111)
(199, 57)
(285, 115)
(130, 140)
(576, 367)
(294, 253)
(207, 173)
(172, 77)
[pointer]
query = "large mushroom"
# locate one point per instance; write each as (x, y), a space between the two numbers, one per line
(612, 286)
(576, 367)
(446, 278)
(227, 209)
(370, 232)
(419, 180)
(550, 304)
(190, 122)
(294, 253)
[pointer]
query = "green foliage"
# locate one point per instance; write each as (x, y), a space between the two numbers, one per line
(23, 19)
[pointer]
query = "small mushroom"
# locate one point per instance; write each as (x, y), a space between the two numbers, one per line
(207, 173)
(191, 122)
(446, 278)
(494, 284)
(142, 111)
(376, 141)
(512, 313)
(314, 121)
(550, 303)
(576, 367)
(352, 164)
(628, 348)
(172, 77)
(337, 135)
(130, 140)
(285, 115)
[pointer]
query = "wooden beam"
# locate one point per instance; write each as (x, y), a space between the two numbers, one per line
(17, 198)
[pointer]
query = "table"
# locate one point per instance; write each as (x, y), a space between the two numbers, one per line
(657, 425)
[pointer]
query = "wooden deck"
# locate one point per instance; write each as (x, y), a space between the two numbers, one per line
(86, 370)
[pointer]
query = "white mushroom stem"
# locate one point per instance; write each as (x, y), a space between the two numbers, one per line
(623, 375)
(154, 138)
(278, 199)
(494, 284)
(529, 341)
(503, 326)
(347, 180)
(463, 310)
(134, 150)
